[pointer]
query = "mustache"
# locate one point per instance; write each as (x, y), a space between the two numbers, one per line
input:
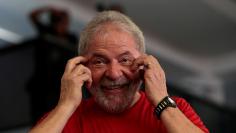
(118, 82)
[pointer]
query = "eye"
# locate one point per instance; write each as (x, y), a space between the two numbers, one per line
(98, 62)
(126, 61)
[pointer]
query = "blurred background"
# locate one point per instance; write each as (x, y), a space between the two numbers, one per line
(195, 42)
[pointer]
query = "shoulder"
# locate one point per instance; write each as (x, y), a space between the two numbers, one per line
(189, 112)
(181, 102)
(184, 106)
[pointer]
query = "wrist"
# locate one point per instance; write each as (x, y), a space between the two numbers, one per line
(158, 99)
(67, 106)
(163, 105)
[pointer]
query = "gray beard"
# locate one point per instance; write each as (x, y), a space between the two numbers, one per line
(116, 103)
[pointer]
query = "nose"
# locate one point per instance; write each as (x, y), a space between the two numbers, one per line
(114, 71)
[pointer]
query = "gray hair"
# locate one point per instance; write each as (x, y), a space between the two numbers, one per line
(113, 17)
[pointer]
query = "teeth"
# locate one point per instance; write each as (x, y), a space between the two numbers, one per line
(114, 86)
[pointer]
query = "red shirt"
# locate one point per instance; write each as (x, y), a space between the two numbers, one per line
(90, 118)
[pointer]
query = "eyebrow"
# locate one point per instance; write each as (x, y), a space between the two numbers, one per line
(104, 56)
(98, 55)
(125, 53)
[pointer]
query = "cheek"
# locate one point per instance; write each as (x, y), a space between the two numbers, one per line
(97, 75)
(129, 74)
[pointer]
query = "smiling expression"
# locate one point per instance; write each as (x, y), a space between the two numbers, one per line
(111, 54)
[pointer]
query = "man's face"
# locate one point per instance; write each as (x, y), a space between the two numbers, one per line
(114, 84)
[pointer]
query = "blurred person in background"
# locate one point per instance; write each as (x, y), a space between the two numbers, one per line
(112, 65)
(57, 24)
(54, 45)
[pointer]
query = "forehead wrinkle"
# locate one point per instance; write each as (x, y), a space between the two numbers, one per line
(102, 35)
(110, 46)
(105, 40)
(116, 41)
(101, 42)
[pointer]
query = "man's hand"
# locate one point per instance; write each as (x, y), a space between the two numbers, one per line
(153, 76)
(156, 90)
(75, 75)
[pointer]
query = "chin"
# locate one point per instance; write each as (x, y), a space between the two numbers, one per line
(114, 100)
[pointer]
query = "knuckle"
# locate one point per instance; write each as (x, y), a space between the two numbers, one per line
(162, 72)
(69, 61)
(152, 57)
(81, 66)
(88, 70)
(78, 67)
(149, 56)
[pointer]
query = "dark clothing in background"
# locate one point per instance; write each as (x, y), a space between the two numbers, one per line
(51, 54)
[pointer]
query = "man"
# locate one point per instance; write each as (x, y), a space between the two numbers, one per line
(112, 65)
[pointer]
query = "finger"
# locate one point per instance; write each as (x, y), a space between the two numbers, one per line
(155, 63)
(141, 61)
(78, 70)
(86, 78)
(81, 69)
(74, 62)
(89, 82)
